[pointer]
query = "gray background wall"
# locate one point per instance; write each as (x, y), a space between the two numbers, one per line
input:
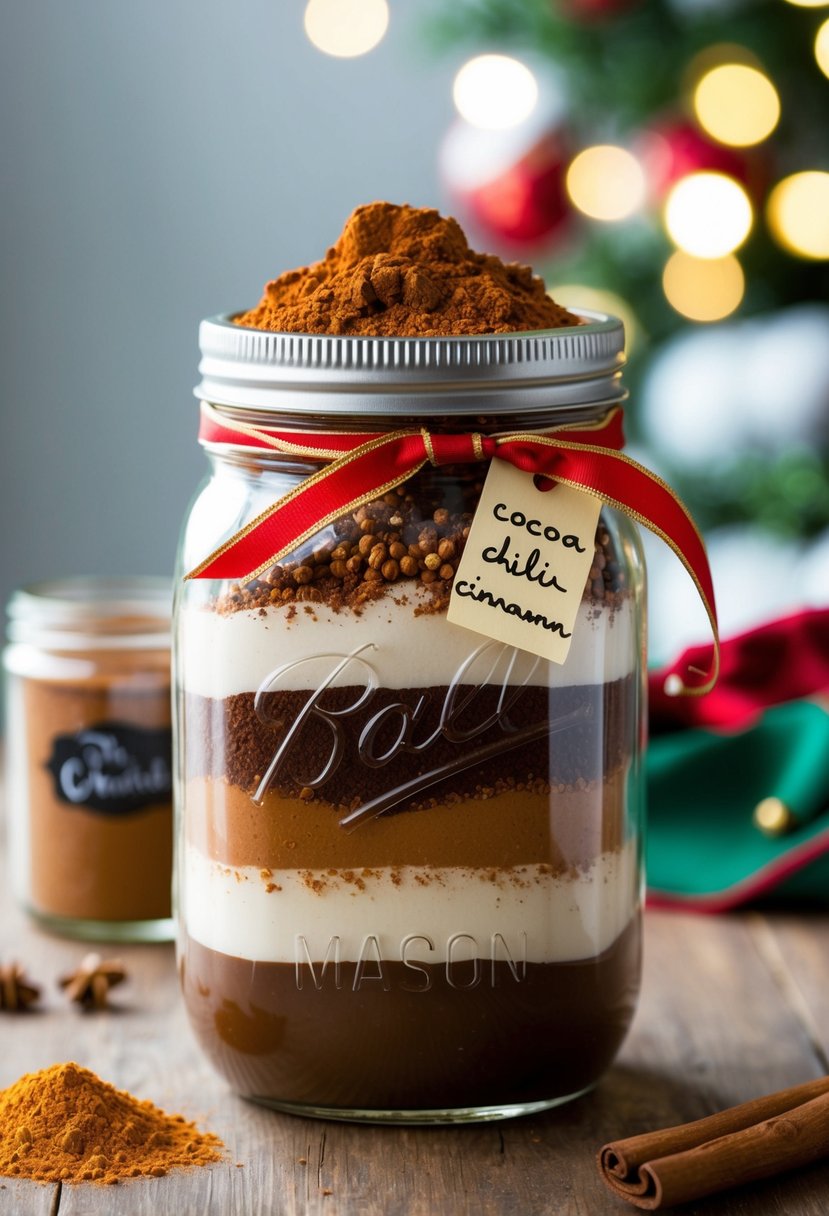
(159, 160)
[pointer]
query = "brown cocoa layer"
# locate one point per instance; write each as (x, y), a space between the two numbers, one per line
(412, 1038)
(562, 828)
(573, 734)
(85, 865)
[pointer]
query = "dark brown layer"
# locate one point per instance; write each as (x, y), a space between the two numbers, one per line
(412, 1038)
(572, 734)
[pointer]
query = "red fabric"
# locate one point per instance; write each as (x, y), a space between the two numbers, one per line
(782, 661)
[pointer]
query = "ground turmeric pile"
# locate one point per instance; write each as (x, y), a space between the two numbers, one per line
(406, 272)
(64, 1124)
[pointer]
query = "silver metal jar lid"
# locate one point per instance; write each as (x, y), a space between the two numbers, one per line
(320, 373)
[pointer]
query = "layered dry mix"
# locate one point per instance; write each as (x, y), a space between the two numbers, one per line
(430, 820)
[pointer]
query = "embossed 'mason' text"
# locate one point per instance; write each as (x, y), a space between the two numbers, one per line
(467, 964)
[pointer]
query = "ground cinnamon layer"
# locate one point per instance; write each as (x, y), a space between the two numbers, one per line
(563, 828)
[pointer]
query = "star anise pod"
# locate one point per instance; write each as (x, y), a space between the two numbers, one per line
(16, 992)
(89, 985)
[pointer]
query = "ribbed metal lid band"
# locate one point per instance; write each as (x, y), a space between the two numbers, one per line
(420, 376)
(221, 340)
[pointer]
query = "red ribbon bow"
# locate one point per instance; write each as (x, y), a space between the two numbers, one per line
(360, 467)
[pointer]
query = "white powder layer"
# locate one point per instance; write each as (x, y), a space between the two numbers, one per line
(439, 915)
(285, 647)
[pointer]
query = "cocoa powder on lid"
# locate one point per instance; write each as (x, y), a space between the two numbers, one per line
(404, 271)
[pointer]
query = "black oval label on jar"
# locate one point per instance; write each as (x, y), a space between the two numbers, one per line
(112, 767)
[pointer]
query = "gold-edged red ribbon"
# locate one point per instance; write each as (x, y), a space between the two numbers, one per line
(360, 467)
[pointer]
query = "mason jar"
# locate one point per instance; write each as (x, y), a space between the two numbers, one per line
(89, 755)
(408, 855)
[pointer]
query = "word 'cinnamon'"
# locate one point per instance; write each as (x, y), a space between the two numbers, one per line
(64, 1124)
(767, 1136)
(406, 272)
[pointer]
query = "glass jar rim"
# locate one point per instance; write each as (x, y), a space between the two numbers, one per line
(106, 612)
(344, 374)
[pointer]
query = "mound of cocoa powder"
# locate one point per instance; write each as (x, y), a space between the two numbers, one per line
(401, 271)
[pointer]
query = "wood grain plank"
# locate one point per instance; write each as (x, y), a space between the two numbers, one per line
(719, 1022)
(716, 1013)
(796, 950)
(714, 1029)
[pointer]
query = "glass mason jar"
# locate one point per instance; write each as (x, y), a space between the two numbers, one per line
(408, 866)
(89, 756)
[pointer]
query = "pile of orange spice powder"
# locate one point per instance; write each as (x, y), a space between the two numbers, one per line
(64, 1124)
(400, 271)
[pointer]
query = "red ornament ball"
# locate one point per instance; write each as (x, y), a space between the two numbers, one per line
(587, 11)
(674, 148)
(514, 197)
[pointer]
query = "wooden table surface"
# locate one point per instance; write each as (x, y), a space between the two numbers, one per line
(732, 1007)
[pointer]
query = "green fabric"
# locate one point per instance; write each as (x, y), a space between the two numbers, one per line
(702, 790)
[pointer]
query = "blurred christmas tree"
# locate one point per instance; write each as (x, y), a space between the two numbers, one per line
(669, 160)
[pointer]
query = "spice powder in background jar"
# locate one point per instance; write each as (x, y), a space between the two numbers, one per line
(89, 774)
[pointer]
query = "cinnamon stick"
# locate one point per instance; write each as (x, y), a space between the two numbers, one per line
(758, 1139)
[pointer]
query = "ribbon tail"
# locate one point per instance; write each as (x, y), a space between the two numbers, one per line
(629, 486)
(369, 470)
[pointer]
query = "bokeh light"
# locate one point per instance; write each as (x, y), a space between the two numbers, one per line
(346, 28)
(809, 3)
(708, 214)
(495, 91)
(798, 214)
(737, 104)
(703, 289)
(606, 182)
(822, 48)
